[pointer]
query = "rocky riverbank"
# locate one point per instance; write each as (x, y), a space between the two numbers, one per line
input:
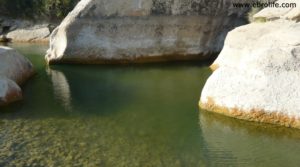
(17, 30)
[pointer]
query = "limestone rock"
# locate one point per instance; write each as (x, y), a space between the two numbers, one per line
(37, 33)
(14, 71)
(257, 74)
(291, 13)
(14, 66)
(24, 30)
(102, 31)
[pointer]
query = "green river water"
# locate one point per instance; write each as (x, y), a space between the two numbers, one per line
(131, 116)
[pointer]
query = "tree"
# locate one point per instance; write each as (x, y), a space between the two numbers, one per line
(51, 9)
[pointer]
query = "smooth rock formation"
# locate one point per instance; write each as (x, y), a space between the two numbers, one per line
(9, 91)
(257, 74)
(14, 71)
(292, 13)
(13, 30)
(37, 33)
(122, 31)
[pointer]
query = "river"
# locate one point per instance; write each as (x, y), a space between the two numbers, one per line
(130, 115)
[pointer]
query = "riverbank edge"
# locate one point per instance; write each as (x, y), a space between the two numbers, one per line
(15, 30)
(254, 115)
(139, 60)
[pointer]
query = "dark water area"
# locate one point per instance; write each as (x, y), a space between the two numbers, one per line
(132, 116)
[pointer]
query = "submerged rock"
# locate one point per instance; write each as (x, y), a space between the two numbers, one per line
(14, 71)
(102, 31)
(257, 74)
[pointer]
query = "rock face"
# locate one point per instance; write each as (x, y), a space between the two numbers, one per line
(102, 31)
(14, 71)
(257, 74)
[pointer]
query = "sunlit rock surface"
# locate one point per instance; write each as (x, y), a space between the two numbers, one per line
(257, 74)
(37, 33)
(122, 31)
(14, 71)
(292, 13)
(15, 30)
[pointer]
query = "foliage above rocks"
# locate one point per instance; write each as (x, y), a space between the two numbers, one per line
(50, 9)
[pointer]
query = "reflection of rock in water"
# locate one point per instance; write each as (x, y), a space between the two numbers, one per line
(233, 142)
(61, 88)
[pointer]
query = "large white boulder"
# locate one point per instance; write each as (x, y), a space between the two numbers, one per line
(14, 71)
(257, 74)
(118, 31)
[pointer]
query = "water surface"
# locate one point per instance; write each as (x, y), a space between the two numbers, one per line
(130, 115)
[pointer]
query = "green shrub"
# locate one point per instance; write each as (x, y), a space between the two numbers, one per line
(58, 8)
(50, 9)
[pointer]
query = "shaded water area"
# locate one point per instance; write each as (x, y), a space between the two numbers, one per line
(132, 116)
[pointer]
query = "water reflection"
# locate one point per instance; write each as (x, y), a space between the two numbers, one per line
(61, 88)
(232, 142)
